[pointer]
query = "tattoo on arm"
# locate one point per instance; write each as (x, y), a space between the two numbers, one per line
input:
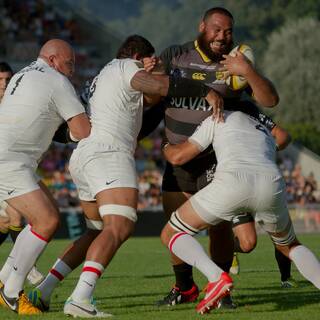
(150, 84)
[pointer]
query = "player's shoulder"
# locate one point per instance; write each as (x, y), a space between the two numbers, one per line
(122, 64)
(176, 50)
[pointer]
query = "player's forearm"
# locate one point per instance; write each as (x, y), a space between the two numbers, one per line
(168, 86)
(180, 154)
(263, 90)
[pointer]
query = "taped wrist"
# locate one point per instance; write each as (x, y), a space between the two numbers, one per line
(182, 87)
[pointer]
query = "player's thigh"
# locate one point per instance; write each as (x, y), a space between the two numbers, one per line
(16, 218)
(118, 196)
(188, 215)
(35, 206)
(91, 215)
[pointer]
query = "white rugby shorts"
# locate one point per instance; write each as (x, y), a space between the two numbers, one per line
(17, 177)
(95, 167)
(232, 193)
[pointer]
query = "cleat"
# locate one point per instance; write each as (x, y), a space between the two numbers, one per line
(289, 283)
(226, 303)
(176, 296)
(84, 309)
(20, 305)
(35, 297)
(235, 267)
(215, 291)
(35, 276)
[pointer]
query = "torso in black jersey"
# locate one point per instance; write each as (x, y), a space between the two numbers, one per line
(183, 115)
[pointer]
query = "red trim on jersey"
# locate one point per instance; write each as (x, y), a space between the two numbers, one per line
(57, 274)
(174, 238)
(39, 236)
(92, 269)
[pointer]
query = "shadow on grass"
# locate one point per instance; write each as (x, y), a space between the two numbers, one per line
(285, 300)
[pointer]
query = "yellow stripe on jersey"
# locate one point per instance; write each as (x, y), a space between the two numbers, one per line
(202, 54)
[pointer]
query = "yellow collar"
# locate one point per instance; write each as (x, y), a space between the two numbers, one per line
(202, 54)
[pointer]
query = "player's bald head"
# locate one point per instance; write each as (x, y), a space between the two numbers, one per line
(59, 55)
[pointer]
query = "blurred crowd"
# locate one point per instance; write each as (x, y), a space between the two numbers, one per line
(302, 190)
(30, 23)
(26, 25)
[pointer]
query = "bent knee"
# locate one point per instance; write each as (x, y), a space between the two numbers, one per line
(119, 234)
(247, 245)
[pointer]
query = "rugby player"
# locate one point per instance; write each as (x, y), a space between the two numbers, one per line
(200, 59)
(37, 100)
(103, 166)
(246, 178)
(11, 221)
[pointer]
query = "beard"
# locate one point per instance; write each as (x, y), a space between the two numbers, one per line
(204, 45)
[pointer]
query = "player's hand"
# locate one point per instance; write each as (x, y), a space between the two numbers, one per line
(149, 63)
(238, 65)
(216, 101)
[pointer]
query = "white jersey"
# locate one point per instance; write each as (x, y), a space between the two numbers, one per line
(240, 143)
(37, 100)
(115, 107)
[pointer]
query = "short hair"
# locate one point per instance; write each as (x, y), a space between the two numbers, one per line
(4, 67)
(220, 10)
(135, 44)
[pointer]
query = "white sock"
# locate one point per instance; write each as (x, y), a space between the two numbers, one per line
(7, 267)
(307, 264)
(190, 251)
(91, 272)
(57, 273)
(27, 254)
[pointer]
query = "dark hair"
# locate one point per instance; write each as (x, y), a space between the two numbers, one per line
(220, 10)
(4, 67)
(135, 44)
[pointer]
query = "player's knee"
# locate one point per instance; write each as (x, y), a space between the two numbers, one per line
(248, 244)
(166, 234)
(118, 233)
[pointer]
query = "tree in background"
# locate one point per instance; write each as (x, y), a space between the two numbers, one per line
(292, 62)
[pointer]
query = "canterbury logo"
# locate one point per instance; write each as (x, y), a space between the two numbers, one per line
(199, 76)
(220, 75)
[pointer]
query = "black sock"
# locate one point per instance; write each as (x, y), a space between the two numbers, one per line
(225, 266)
(14, 232)
(3, 236)
(237, 247)
(284, 265)
(184, 278)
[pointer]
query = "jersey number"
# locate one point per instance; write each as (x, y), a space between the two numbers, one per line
(262, 129)
(16, 84)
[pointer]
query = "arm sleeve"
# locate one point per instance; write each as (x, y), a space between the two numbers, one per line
(129, 69)
(66, 101)
(203, 136)
(151, 119)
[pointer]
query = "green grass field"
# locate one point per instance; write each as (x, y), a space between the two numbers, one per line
(140, 274)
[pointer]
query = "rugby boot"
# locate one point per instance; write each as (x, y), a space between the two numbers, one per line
(177, 296)
(215, 291)
(20, 305)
